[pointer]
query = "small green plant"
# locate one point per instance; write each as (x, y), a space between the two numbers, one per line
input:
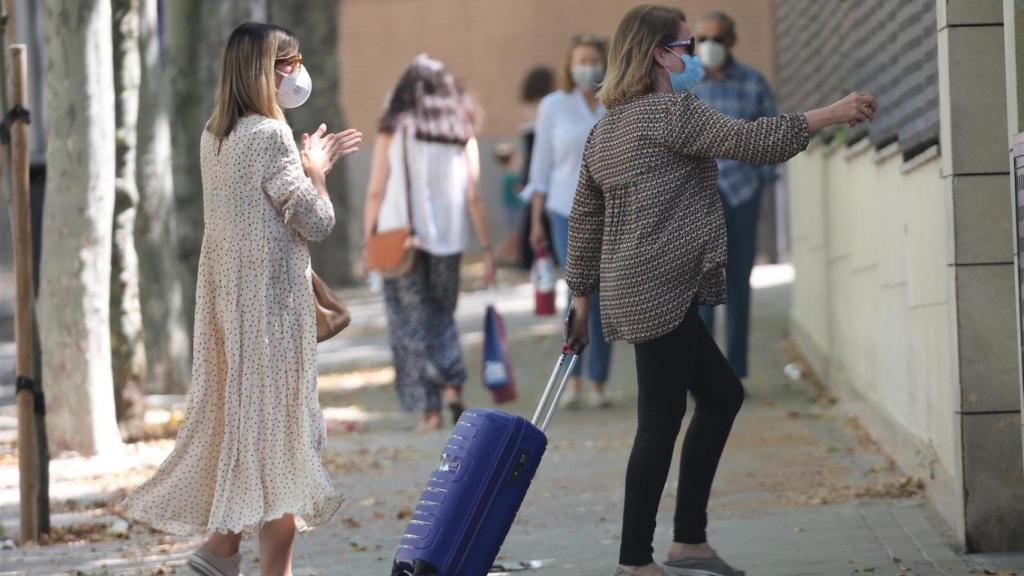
(840, 134)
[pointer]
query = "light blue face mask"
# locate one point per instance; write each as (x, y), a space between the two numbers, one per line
(687, 80)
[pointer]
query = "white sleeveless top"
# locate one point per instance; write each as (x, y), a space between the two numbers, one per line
(439, 174)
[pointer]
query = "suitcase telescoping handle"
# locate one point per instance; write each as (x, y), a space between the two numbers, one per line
(561, 373)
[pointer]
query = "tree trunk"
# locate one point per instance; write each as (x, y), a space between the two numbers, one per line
(197, 32)
(168, 347)
(126, 337)
(318, 38)
(74, 293)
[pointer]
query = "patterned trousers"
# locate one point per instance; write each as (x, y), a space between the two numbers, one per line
(421, 327)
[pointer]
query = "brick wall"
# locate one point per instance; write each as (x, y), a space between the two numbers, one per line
(491, 44)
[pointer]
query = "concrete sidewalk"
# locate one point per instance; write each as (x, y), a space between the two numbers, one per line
(802, 489)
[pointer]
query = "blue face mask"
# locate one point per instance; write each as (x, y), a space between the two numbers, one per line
(691, 75)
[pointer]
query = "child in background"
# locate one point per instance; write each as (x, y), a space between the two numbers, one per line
(510, 252)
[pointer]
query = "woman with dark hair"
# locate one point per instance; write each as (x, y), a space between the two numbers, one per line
(247, 458)
(427, 151)
(564, 119)
(647, 230)
(538, 83)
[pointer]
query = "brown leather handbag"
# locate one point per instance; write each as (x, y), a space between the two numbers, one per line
(331, 315)
(391, 253)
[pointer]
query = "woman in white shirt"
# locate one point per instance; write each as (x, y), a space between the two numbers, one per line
(427, 142)
(564, 120)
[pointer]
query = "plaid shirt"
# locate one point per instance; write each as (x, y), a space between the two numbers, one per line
(741, 93)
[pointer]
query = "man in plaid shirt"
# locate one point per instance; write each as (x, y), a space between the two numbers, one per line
(739, 92)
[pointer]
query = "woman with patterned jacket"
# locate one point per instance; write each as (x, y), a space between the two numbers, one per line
(647, 233)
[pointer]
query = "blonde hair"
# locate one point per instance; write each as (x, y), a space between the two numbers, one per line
(247, 75)
(565, 81)
(631, 53)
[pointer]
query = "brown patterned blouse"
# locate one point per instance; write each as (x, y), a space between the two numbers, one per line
(647, 227)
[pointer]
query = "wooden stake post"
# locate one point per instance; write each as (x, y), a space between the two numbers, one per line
(21, 221)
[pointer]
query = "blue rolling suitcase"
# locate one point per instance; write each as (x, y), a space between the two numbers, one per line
(473, 495)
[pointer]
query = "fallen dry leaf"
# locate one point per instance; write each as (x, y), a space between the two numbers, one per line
(350, 522)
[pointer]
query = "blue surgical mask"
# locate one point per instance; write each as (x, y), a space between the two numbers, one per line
(691, 75)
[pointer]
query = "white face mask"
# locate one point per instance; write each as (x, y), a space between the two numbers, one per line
(295, 88)
(712, 54)
(587, 77)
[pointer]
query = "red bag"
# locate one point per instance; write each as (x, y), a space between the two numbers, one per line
(544, 281)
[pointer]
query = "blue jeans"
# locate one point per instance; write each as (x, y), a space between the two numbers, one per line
(741, 230)
(598, 356)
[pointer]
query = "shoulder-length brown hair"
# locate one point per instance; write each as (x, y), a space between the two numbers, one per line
(631, 54)
(247, 75)
(565, 82)
(429, 96)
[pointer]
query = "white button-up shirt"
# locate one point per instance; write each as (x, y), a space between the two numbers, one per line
(563, 123)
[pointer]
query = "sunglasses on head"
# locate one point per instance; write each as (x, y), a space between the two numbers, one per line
(719, 39)
(688, 44)
(586, 39)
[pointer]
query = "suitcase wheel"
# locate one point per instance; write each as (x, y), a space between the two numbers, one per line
(399, 569)
(419, 568)
(424, 569)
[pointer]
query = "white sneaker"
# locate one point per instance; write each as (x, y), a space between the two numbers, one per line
(570, 399)
(599, 400)
(204, 561)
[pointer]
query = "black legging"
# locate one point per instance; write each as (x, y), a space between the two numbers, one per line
(685, 359)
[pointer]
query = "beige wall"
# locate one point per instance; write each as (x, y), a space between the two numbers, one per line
(905, 292)
(491, 44)
(870, 302)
